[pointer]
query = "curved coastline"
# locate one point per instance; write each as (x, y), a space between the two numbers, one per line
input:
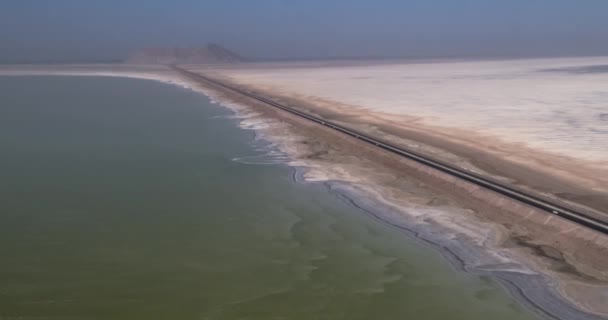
(542, 297)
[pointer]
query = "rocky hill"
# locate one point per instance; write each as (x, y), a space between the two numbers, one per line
(209, 54)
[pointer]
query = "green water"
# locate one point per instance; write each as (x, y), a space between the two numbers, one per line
(120, 200)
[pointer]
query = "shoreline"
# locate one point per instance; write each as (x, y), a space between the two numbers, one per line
(361, 199)
(557, 297)
(576, 181)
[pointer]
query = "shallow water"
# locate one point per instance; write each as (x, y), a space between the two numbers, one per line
(130, 199)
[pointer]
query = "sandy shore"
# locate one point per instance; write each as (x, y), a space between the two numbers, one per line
(544, 273)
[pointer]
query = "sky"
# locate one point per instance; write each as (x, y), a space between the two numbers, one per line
(94, 30)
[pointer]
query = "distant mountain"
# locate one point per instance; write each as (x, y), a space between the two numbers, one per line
(209, 54)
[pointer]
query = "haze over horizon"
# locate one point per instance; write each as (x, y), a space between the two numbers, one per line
(70, 30)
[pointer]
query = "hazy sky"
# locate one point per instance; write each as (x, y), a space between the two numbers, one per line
(104, 29)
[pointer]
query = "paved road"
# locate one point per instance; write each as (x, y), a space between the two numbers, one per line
(543, 204)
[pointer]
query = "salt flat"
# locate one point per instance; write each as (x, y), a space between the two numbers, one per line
(558, 105)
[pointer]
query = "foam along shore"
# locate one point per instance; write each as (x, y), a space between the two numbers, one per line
(470, 244)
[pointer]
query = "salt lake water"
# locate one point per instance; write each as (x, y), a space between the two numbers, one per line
(120, 199)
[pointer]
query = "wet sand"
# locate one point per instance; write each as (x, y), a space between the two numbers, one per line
(470, 232)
